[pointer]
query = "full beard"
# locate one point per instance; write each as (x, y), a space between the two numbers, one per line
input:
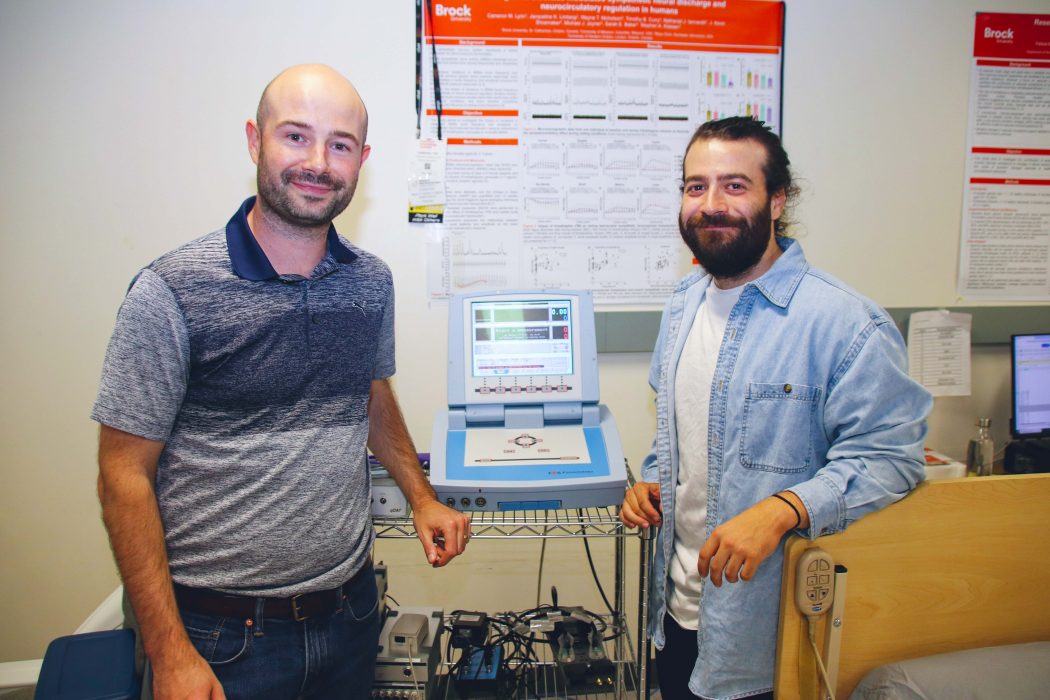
(727, 255)
(277, 194)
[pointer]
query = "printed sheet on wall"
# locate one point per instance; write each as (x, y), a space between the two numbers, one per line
(1004, 251)
(562, 127)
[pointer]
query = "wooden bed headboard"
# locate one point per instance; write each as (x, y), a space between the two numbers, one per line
(957, 564)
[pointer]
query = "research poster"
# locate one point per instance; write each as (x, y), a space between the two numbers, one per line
(564, 125)
(1004, 252)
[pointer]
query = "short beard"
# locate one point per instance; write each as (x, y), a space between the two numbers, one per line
(729, 256)
(277, 196)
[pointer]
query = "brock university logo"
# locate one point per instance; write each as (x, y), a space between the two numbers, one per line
(446, 11)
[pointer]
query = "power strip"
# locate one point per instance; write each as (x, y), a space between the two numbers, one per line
(815, 585)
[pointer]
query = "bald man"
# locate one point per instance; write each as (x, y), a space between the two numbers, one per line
(247, 374)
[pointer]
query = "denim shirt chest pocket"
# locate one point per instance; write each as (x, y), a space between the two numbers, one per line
(777, 428)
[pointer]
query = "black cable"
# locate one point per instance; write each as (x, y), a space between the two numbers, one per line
(419, 66)
(520, 653)
(434, 63)
(594, 572)
(514, 635)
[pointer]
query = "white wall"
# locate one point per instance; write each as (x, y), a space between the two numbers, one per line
(123, 137)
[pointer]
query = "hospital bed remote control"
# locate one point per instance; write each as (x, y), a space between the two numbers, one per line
(815, 584)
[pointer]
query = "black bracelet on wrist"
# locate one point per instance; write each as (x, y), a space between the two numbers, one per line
(798, 516)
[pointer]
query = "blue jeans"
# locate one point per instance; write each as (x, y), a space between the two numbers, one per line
(327, 657)
(675, 662)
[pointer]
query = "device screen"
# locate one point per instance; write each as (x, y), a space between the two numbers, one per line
(1031, 365)
(521, 338)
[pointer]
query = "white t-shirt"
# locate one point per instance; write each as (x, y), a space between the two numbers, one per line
(696, 369)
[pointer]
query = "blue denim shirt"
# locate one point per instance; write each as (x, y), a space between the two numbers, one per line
(811, 393)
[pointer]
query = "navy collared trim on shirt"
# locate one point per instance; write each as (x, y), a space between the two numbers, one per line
(247, 257)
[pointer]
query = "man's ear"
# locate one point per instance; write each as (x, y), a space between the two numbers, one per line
(251, 130)
(776, 204)
(365, 151)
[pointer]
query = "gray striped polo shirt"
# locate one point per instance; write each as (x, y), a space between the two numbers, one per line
(258, 385)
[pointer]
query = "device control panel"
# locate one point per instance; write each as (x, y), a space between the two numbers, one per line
(815, 585)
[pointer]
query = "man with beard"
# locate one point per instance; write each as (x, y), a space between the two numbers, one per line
(247, 373)
(783, 404)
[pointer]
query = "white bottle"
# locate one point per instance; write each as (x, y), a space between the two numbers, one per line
(980, 453)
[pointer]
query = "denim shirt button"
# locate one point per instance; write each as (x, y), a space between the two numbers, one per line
(787, 388)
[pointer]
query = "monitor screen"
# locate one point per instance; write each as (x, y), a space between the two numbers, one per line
(521, 348)
(1031, 385)
(521, 338)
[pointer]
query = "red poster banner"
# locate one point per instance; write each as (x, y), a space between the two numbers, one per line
(1004, 35)
(751, 24)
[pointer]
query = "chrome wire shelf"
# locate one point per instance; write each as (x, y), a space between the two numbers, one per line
(528, 524)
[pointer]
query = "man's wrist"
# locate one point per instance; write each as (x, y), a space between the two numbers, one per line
(173, 652)
(422, 500)
(792, 515)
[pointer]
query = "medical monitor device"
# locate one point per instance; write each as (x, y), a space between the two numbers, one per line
(524, 429)
(1030, 362)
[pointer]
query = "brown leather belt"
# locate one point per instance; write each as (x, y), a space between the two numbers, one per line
(298, 607)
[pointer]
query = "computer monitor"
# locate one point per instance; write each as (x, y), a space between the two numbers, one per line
(522, 348)
(1030, 361)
